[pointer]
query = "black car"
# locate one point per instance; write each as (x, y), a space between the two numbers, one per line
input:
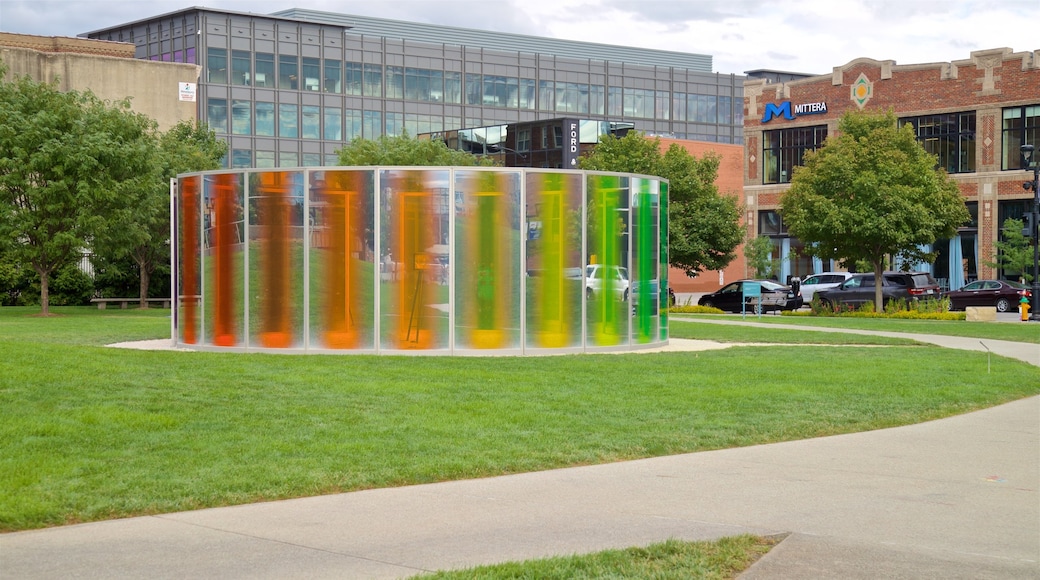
(1004, 296)
(731, 297)
(859, 289)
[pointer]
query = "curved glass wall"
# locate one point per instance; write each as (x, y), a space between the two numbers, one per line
(430, 260)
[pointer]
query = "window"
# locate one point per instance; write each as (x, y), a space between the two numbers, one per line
(333, 124)
(288, 159)
(373, 86)
(265, 119)
(264, 70)
(950, 137)
(1021, 127)
(453, 87)
(241, 68)
(679, 106)
(333, 77)
(770, 223)
(353, 78)
(523, 140)
(352, 124)
(783, 150)
(241, 122)
(394, 124)
(702, 109)
(394, 82)
(473, 89)
(597, 100)
(546, 98)
(372, 124)
(615, 102)
(241, 158)
(288, 71)
(311, 74)
(527, 94)
(264, 159)
(216, 115)
(288, 123)
(216, 65)
(311, 122)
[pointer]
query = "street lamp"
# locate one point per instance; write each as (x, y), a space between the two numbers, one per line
(1027, 161)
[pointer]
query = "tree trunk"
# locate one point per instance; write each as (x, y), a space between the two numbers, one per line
(45, 299)
(145, 279)
(879, 300)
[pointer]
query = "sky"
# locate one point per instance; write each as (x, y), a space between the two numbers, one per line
(807, 36)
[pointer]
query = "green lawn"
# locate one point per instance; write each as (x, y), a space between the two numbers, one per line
(692, 329)
(1013, 331)
(91, 433)
(718, 560)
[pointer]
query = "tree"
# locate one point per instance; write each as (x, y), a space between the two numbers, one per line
(759, 254)
(1014, 252)
(703, 226)
(869, 193)
(68, 164)
(145, 233)
(404, 150)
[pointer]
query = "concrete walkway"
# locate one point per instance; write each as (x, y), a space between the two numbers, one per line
(954, 498)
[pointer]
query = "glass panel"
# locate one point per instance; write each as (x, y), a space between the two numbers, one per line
(216, 65)
(265, 119)
(333, 77)
(373, 80)
(353, 79)
(311, 74)
(288, 123)
(241, 67)
(276, 259)
(352, 124)
(264, 70)
(333, 124)
(241, 158)
(189, 280)
(241, 123)
(527, 94)
(487, 265)
(223, 260)
(342, 260)
(265, 159)
(394, 82)
(554, 278)
(217, 115)
(373, 124)
(453, 87)
(607, 234)
(288, 71)
(311, 122)
(646, 291)
(412, 312)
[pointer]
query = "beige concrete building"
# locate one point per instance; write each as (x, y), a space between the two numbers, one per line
(109, 70)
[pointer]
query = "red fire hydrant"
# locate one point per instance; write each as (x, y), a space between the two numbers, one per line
(1023, 308)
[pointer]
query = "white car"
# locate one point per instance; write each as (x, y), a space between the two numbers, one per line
(595, 276)
(822, 281)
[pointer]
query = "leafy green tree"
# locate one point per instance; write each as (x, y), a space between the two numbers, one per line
(1014, 252)
(869, 193)
(405, 150)
(69, 163)
(703, 226)
(759, 254)
(145, 233)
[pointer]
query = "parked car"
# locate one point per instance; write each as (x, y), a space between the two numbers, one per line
(822, 281)
(1005, 296)
(859, 289)
(731, 297)
(598, 277)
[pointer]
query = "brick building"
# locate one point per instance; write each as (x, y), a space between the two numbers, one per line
(972, 113)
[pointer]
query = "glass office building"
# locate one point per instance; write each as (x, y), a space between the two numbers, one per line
(288, 89)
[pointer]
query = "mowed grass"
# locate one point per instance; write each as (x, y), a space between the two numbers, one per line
(1014, 331)
(91, 433)
(717, 560)
(751, 334)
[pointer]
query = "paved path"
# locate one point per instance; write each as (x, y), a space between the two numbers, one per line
(954, 498)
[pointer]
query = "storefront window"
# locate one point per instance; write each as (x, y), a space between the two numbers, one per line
(783, 150)
(1021, 126)
(950, 137)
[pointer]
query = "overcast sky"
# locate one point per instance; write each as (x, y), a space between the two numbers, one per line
(809, 36)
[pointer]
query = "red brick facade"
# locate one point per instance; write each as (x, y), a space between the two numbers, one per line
(985, 83)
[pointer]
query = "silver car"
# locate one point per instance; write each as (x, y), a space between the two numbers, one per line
(822, 281)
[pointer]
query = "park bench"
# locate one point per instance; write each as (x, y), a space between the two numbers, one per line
(102, 303)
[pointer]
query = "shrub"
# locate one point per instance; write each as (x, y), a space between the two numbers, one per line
(930, 309)
(694, 309)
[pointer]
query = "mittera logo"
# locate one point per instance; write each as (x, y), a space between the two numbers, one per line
(784, 109)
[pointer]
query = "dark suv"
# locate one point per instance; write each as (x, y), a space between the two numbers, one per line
(859, 289)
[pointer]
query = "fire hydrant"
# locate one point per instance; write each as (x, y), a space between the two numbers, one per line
(1023, 308)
